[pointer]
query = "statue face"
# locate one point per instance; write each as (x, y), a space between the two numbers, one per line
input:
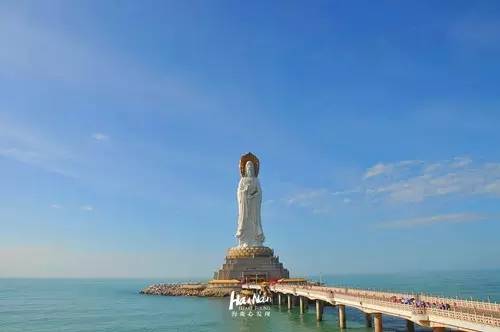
(249, 170)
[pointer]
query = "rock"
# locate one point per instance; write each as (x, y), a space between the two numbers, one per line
(187, 290)
(217, 291)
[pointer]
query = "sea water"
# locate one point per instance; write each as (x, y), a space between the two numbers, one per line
(81, 305)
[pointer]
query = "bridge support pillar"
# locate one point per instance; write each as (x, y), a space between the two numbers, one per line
(410, 326)
(279, 299)
(377, 321)
(342, 319)
(303, 304)
(290, 303)
(438, 329)
(368, 320)
(319, 310)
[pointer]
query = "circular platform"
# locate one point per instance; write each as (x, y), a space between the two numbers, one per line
(237, 252)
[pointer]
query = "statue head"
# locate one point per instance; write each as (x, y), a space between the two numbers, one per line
(254, 161)
(249, 169)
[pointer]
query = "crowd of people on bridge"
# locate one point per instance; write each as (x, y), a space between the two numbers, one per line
(403, 300)
(420, 304)
(417, 302)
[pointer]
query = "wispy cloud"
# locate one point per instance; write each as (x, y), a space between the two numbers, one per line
(409, 181)
(436, 219)
(378, 169)
(100, 137)
(389, 168)
(319, 201)
(88, 208)
(459, 176)
(25, 145)
(44, 52)
(56, 206)
(306, 197)
(459, 162)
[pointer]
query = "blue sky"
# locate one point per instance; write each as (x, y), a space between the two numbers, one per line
(121, 126)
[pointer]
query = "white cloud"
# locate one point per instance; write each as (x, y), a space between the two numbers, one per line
(389, 168)
(459, 162)
(433, 167)
(410, 181)
(87, 208)
(436, 219)
(56, 206)
(459, 176)
(346, 192)
(100, 137)
(378, 169)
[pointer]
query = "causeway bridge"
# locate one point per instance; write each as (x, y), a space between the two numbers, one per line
(438, 313)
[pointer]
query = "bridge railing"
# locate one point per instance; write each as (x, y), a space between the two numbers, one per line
(302, 290)
(365, 293)
(362, 300)
(472, 304)
(464, 316)
(478, 305)
(384, 299)
(333, 296)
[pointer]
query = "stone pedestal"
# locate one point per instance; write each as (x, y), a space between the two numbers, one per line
(251, 264)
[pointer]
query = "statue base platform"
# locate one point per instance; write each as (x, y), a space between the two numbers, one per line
(251, 264)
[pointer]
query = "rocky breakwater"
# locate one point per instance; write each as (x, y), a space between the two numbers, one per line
(198, 289)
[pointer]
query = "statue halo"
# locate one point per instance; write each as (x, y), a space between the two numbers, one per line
(249, 157)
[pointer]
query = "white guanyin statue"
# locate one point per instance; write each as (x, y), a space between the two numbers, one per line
(249, 233)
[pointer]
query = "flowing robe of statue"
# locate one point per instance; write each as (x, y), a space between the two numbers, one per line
(249, 233)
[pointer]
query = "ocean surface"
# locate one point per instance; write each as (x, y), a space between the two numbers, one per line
(78, 305)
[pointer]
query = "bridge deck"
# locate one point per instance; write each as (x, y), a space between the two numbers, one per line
(428, 311)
